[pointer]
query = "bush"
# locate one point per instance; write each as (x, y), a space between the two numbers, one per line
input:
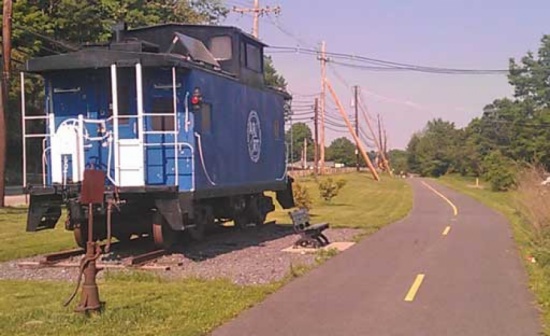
(328, 189)
(499, 171)
(301, 196)
(534, 198)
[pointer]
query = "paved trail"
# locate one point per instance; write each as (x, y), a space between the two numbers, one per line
(433, 273)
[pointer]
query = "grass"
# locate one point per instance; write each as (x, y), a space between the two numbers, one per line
(507, 204)
(137, 305)
(362, 203)
(144, 304)
(16, 243)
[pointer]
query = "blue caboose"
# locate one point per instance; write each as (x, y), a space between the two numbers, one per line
(179, 119)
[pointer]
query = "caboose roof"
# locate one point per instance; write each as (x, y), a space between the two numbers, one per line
(221, 49)
(206, 28)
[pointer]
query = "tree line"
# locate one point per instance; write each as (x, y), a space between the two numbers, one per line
(340, 150)
(510, 132)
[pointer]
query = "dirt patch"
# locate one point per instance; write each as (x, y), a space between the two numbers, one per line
(251, 256)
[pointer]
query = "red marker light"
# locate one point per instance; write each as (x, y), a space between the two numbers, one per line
(195, 100)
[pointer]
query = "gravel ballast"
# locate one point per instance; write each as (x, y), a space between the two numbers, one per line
(246, 257)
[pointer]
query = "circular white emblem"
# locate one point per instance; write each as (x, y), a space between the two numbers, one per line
(254, 136)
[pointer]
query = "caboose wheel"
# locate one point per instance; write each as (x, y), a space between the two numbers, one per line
(163, 235)
(204, 219)
(80, 234)
(252, 214)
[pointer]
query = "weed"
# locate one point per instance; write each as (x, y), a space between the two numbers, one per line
(328, 189)
(323, 255)
(301, 196)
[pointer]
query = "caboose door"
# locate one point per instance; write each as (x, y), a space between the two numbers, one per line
(127, 107)
(168, 153)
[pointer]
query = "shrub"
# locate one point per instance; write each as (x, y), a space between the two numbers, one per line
(499, 171)
(534, 198)
(301, 196)
(328, 189)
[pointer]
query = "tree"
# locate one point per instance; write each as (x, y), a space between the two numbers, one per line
(342, 150)
(398, 160)
(295, 138)
(433, 152)
(272, 77)
(509, 131)
(529, 77)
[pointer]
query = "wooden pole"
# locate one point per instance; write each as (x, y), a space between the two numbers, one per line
(355, 102)
(377, 140)
(352, 132)
(323, 59)
(4, 90)
(316, 136)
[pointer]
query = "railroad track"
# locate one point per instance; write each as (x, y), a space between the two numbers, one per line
(66, 259)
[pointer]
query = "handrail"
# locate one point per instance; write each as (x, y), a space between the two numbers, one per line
(42, 117)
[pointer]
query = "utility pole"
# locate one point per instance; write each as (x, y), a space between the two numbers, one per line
(377, 140)
(323, 58)
(257, 11)
(381, 154)
(352, 132)
(291, 145)
(316, 136)
(355, 103)
(4, 90)
(305, 153)
(6, 38)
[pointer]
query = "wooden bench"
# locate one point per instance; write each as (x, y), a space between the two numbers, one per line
(310, 235)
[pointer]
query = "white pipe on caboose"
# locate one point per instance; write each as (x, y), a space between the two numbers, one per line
(114, 98)
(80, 162)
(23, 129)
(139, 94)
(51, 131)
(176, 140)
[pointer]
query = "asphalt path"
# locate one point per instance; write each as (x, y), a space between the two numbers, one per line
(450, 268)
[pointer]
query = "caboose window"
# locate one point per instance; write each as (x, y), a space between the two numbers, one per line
(206, 118)
(162, 105)
(253, 58)
(277, 130)
(124, 103)
(221, 48)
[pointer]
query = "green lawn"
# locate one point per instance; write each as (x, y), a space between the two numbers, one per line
(16, 243)
(137, 305)
(506, 203)
(142, 304)
(362, 203)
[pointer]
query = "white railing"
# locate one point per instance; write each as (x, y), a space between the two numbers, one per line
(111, 136)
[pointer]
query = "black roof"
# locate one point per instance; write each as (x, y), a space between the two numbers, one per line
(149, 45)
(197, 26)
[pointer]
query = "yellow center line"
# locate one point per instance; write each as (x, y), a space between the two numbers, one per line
(446, 231)
(414, 288)
(455, 209)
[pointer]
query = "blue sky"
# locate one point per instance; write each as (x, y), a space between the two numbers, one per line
(458, 34)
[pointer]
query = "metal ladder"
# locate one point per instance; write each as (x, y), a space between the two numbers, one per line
(49, 118)
(174, 133)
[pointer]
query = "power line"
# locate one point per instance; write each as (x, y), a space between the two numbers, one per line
(277, 24)
(385, 65)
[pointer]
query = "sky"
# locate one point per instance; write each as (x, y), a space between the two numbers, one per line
(470, 34)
